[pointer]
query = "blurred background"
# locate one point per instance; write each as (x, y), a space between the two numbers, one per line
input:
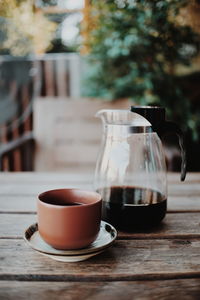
(62, 60)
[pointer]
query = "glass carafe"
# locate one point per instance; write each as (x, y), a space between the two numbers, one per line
(130, 171)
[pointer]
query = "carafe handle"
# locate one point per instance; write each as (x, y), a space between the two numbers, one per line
(166, 127)
(156, 116)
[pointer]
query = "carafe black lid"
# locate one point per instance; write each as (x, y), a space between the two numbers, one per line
(154, 114)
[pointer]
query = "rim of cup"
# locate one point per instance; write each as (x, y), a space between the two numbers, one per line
(96, 198)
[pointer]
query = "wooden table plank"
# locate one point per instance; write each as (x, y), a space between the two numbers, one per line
(27, 189)
(18, 203)
(17, 190)
(44, 178)
(173, 226)
(27, 203)
(14, 225)
(88, 177)
(171, 251)
(37, 177)
(125, 260)
(192, 189)
(183, 203)
(172, 177)
(168, 289)
(47, 177)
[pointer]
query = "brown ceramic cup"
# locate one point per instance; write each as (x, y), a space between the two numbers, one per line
(69, 218)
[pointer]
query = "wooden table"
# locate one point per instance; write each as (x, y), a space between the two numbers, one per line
(163, 264)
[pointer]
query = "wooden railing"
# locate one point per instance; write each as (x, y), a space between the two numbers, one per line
(60, 76)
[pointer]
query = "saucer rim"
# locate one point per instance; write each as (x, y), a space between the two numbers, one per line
(72, 258)
(33, 229)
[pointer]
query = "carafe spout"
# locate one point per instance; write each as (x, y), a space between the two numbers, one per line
(122, 117)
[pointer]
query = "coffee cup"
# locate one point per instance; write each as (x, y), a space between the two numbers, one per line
(69, 218)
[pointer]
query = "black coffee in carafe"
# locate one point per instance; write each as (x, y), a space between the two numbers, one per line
(131, 208)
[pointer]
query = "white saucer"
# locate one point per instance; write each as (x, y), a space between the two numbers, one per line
(105, 239)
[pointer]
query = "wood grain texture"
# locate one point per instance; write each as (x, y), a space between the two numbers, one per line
(175, 225)
(125, 260)
(168, 289)
(163, 263)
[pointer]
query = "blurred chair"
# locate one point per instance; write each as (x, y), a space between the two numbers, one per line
(21, 80)
(18, 88)
(59, 76)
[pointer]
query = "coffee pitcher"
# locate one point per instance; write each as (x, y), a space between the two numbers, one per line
(131, 172)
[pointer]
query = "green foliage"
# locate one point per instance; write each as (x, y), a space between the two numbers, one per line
(135, 48)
